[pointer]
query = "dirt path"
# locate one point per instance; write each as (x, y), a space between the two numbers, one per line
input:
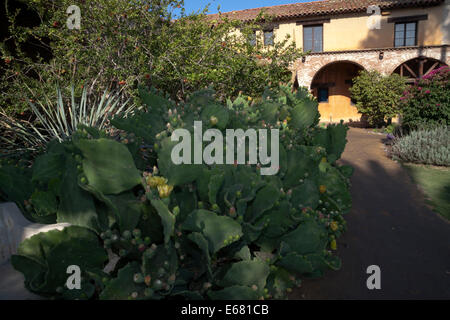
(389, 226)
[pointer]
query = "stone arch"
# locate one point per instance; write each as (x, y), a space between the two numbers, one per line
(418, 67)
(327, 65)
(330, 85)
(307, 67)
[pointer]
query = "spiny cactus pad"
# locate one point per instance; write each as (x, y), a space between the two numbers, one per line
(190, 231)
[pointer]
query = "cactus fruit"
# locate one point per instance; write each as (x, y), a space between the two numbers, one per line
(127, 235)
(213, 120)
(148, 292)
(138, 278)
(158, 285)
(137, 233)
(147, 280)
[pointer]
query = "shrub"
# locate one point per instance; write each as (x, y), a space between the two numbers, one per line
(425, 145)
(377, 96)
(428, 100)
(188, 231)
(392, 128)
(125, 43)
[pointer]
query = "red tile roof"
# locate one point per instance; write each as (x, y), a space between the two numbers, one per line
(323, 7)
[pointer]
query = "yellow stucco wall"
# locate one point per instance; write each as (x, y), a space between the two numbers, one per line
(350, 31)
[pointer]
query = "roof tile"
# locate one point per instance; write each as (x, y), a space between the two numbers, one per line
(323, 7)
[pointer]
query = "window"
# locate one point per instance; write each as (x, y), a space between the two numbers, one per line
(322, 95)
(313, 38)
(268, 38)
(405, 34)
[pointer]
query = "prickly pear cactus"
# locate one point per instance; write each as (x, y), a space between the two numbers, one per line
(190, 231)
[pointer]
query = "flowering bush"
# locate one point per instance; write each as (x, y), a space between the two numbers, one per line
(427, 101)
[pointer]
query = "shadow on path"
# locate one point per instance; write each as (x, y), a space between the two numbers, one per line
(389, 226)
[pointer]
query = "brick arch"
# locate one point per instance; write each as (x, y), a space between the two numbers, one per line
(358, 64)
(306, 69)
(395, 58)
(430, 64)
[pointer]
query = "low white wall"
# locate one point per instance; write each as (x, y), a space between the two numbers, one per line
(14, 228)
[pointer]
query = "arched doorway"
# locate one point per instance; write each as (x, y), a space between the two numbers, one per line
(417, 68)
(331, 86)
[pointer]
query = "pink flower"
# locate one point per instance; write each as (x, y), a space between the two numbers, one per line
(419, 88)
(428, 91)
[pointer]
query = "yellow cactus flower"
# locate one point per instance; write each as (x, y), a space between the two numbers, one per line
(333, 245)
(154, 182)
(324, 160)
(334, 225)
(164, 190)
(322, 189)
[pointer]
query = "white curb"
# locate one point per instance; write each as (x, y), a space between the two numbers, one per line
(14, 228)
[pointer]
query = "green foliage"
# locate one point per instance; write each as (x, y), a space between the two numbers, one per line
(434, 182)
(428, 100)
(123, 286)
(123, 43)
(219, 231)
(203, 232)
(378, 96)
(71, 177)
(333, 139)
(108, 166)
(424, 145)
(44, 258)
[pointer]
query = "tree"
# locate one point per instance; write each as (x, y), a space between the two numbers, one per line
(378, 96)
(122, 44)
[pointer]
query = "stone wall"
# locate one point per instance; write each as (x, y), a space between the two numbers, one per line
(367, 59)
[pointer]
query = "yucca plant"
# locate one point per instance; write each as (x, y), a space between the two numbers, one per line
(59, 119)
(18, 136)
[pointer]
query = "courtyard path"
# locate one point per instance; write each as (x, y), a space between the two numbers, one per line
(389, 226)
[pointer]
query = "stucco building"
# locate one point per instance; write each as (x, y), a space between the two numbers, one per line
(408, 37)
